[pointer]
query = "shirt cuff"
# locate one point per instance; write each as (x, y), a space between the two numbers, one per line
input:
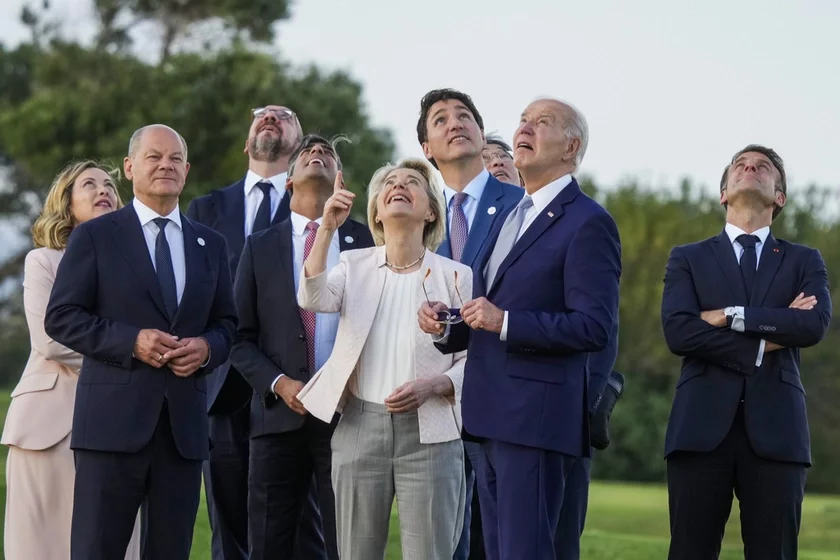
(209, 353)
(274, 383)
(738, 320)
(760, 356)
(441, 339)
(503, 334)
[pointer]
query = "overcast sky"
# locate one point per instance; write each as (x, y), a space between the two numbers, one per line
(670, 89)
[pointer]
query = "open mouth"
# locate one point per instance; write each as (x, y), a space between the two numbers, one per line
(270, 127)
(315, 161)
(399, 197)
(524, 145)
(460, 138)
(500, 174)
(104, 204)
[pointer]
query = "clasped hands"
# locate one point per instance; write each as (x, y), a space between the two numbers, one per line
(183, 355)
(478, 314)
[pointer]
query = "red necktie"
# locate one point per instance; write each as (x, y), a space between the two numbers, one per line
(308, 317)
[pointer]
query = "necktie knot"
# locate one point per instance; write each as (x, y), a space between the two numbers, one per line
(161, 223)
(526, 202)
(747, 240)
(265, 187)
(312, 227)
(459, 198)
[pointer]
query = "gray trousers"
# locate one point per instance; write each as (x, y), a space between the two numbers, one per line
(377, 455)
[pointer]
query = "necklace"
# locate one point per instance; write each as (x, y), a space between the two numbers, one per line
(395, 267)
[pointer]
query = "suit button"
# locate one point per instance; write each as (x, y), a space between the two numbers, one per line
(301, 337)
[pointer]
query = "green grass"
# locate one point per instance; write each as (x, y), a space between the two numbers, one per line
(625, 522)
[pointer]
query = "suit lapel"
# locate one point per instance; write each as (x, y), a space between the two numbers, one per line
(772, 253)
(195, 265)
(348, 237)
(725, 255)
(230, 213)
(283, 210)
(489, 209)
(133, 247)
(546, 218)
(286, 259)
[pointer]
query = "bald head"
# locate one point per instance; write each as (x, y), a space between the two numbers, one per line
(136, 138)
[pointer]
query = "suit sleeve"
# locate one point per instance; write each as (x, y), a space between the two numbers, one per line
(600, 367)
(796, 328)
(323, 293)
(222, 322)
(257, 368)
(591, 274)
(37, 284)
(70, 319)
(688, 335)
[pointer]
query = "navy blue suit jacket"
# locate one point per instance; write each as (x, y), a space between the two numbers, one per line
(224, 211)
(270, 338)
(498, 196)
(105, 292)
(718, 364)
(559, 284)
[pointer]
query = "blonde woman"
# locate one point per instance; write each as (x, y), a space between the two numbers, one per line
(399, 433)
(39, 468)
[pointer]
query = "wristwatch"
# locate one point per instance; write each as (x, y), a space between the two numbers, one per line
(730, 315)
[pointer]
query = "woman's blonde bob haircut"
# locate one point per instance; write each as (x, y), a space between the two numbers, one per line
(435, 231)
(53, 226)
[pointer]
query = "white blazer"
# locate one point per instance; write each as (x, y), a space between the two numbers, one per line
(354, 288)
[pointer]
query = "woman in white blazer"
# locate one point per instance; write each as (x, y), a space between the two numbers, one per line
(40, 471)
(399, 433)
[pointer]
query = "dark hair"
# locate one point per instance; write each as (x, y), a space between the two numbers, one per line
(492, 139)
(774, 158)
(310, 140)
(443, 95)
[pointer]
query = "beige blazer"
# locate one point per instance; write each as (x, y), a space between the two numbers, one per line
(41, 412)
(353, 288)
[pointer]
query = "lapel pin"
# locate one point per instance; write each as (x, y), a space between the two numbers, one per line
(348, 239)
(201, 241)
(775, 250)
(550, 214)
(491, 210)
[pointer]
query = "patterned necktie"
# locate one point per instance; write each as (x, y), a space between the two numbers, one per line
(164, 269)
(263, 218)
(459, 230)
(308, 317)
(749, 260)
(507, 238)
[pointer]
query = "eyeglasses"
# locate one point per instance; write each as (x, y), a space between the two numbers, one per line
(450, 316)
(488, 156)
(281, 114)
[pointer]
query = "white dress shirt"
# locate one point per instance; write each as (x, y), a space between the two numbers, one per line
(738, 319)
(174, 236)
(474, 190)
(254, 196)
(541, 200)
(326, 324)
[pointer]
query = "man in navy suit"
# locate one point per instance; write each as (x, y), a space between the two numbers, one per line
(738, 307)
(451, 132)
(546, 299)
(278, 348)
(145, 295)
(252, 204)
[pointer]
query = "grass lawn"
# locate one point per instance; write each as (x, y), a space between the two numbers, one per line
(625, 522)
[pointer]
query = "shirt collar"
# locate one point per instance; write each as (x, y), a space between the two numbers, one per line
(734, 231)
(545, 195)
(277, 181)
(474, 188)
(299, 223)
(146, 214)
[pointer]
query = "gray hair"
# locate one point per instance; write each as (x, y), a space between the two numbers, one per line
(134, 143)
(576, 127)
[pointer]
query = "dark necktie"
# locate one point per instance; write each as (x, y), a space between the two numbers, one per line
(263, 218)
(459, 230)
(749, 260)
(164, 269)
(306, 316)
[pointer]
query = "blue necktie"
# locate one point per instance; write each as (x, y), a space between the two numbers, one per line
(263, 218)
(749, 260)
(164, 269)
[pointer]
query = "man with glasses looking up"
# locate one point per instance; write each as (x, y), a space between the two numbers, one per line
(252, 204)
(498, 160)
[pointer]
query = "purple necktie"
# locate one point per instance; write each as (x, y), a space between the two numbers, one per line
(459, 230)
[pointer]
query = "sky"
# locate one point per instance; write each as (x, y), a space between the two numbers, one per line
(670, 89)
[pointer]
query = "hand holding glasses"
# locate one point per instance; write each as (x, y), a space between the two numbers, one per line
(450, 316)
